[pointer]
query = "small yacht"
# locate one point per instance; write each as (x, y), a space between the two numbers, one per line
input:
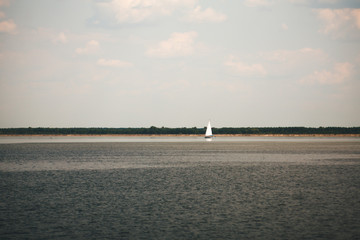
(208, 134)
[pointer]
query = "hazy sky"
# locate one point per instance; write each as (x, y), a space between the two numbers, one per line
(179, 63)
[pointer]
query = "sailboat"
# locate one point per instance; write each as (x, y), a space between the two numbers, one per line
(208, 133)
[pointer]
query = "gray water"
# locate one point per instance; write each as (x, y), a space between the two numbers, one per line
(181, 190)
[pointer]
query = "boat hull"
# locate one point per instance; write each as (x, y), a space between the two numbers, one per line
(208, 138)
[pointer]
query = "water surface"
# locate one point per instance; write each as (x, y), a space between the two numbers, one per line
(282, 189)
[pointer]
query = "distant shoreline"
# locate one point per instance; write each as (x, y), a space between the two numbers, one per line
(179, 135)
(173, 132)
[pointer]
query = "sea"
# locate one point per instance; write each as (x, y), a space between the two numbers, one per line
(179, 188)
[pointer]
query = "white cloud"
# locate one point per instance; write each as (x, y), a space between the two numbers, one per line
(303, 64)
(339, 22)
(134, 11)
(207, 15)
(284, 26)
(4, 3)
(113, 63)
(280, 63)
(52, 35)
(90, 48)
(179, 44)
(243, 68)
(314, 1)
(266, 3)
(295, 56)
(328, 1)
(8, 26)
(292, 61)
(340, 73)
(356, 15)
(60, 38)
(258, 3)
(227, 86)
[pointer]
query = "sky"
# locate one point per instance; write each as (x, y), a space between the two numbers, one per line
(179, 63)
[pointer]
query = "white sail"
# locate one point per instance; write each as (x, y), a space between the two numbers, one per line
(208, 132)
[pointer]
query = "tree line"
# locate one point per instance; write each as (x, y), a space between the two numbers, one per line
(176, 131)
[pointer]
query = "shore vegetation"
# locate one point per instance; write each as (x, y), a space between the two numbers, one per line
(183, 131)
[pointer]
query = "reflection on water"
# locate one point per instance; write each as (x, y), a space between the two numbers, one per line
(190, 189)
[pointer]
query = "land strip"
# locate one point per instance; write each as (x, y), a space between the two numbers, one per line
(179, 135)
(194, 131)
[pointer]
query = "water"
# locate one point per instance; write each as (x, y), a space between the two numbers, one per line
(191, 189)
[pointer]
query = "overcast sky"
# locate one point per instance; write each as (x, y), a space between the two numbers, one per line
(179, 63)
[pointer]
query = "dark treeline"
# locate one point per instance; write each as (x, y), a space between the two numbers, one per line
(174, 131)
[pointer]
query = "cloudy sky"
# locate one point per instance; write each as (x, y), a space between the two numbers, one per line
(179, 63)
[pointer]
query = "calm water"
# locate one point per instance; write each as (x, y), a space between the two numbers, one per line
(274, 189)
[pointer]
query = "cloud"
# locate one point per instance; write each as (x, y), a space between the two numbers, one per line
(4, 3)
(340, 73)
(90, 48)
(8, 26)
(134, 11)
(113, 63)
(314, 1)
(280, 63)
(284, 26)
(227, 86)
(246, 69)
(207, 15)
(60, 38)
(328, 1)
(299, 55)
(49, 34)
(179, 44)
(339, 22)
(258, 3)
(294, 61)
(356, 16)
